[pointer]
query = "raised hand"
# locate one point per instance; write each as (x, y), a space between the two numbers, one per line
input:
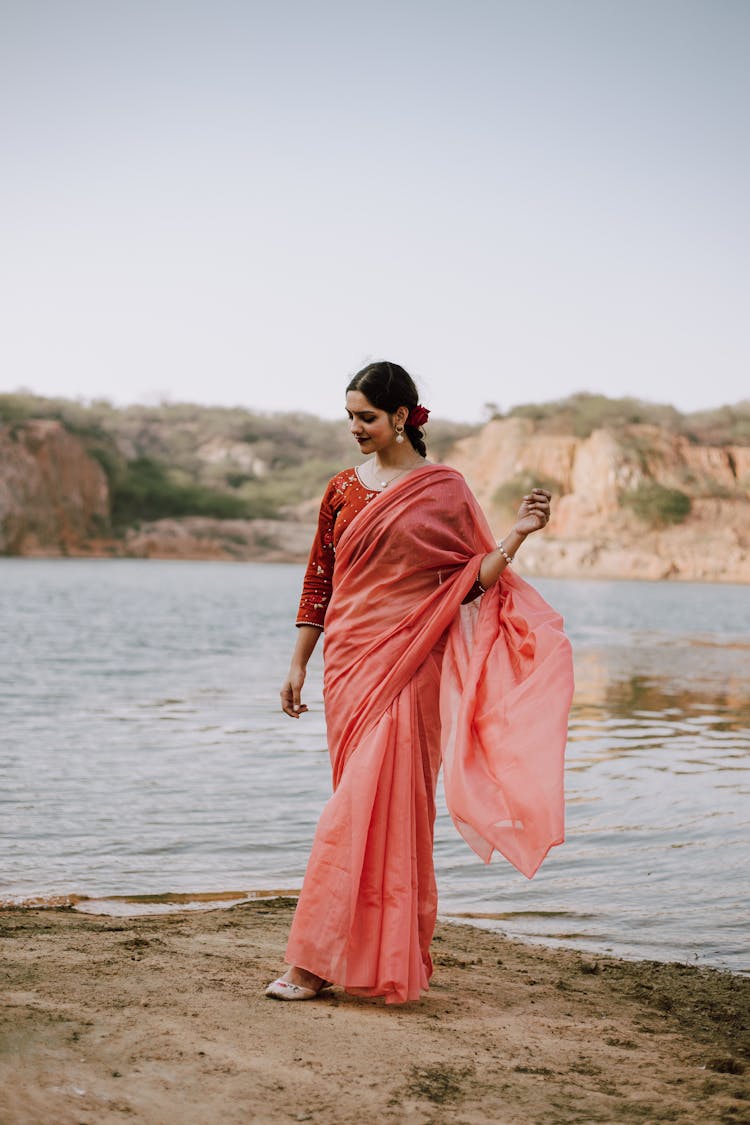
(534, 512)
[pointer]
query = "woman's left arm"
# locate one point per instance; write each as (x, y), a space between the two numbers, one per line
(533, 515)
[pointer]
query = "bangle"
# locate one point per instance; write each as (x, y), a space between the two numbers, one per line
(508, 558)
(478, 583)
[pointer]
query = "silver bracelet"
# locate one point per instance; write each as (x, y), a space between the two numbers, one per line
(508, 558)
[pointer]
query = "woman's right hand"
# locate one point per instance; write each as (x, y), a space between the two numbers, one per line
(291, 693)
(534, 512)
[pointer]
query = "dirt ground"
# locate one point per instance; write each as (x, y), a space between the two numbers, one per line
(162, 1020)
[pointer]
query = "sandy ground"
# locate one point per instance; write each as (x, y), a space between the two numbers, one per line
(162, 1019)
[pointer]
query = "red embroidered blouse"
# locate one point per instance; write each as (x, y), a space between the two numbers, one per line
(344, 497)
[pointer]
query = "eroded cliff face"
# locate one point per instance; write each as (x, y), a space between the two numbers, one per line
(54, 499)
(591, 532)
(53, 495)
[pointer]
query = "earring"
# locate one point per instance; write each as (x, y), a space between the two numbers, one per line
(399, 434)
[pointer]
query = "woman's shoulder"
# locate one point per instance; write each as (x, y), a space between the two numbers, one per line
(346, 476)
(445, 474)
(342, 481)
(445, 485)
(339, 485)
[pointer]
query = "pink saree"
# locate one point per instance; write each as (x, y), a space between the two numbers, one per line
(413, 678)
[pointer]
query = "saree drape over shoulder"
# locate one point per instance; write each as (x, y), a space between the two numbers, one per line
(413, 676)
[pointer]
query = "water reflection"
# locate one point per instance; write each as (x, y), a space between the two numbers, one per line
(143, 747)
(683, 680)
(658, 761)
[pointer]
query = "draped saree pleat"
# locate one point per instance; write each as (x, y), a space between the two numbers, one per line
(412, 676)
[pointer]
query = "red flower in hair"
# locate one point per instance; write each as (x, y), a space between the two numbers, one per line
(418, 415)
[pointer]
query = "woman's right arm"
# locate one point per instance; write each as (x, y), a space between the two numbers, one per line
(291, 702)
(316, 593)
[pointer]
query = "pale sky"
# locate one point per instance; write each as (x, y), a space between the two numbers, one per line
(243, 201)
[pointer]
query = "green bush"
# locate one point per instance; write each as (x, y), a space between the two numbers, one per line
(145, 491)
(440, 436)
(658, 505)
(726, 425)
(108, 459)
(16, 407)
(582, 413)
(170, 431)
(510, 494)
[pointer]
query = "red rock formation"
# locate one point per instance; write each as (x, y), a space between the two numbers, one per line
(592, 532)
(54, 500)
(53, 495)
(200, 537)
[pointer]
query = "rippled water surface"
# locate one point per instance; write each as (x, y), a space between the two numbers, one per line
(142, 751)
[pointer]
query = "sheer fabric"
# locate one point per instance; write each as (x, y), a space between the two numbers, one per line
(411, 677)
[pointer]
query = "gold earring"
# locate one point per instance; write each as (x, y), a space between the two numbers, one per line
(399, 434)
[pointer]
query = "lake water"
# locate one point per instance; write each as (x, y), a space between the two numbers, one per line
(142, 751)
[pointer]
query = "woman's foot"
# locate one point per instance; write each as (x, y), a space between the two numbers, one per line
(296, 984)
(303, 979)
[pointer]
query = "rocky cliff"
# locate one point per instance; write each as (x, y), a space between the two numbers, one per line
(593, 531)
(53, 495)
(55, 499)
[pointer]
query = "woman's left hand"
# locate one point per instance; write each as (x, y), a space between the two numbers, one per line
(534, 512)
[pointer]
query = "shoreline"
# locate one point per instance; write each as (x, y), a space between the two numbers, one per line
(530, 574)
(166, 903)
(162, 1018)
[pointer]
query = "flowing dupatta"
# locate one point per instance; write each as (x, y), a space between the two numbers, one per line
(412, 673)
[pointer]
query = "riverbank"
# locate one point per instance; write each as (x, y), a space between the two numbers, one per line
(706, 551)
(162, 1019)
(632, 499)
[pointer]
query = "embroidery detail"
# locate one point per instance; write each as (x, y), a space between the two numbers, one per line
(345, 498)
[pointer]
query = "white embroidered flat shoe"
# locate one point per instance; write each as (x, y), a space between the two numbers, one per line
(284, 990)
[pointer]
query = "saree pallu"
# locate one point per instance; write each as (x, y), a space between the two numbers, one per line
(414, 677)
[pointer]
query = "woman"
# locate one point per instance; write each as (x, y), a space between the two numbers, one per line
(434, 652)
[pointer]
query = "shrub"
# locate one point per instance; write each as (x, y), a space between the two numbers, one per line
(441, 435)
(145, 491)
(582, 413)
(658, 505)
(108, 460)
(509, 494)
(16, 407)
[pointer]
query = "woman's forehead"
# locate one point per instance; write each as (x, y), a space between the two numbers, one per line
(357, 403)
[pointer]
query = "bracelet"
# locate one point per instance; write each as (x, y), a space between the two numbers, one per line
(508, 558)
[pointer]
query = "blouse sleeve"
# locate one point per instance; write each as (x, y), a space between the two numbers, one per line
(318, 581)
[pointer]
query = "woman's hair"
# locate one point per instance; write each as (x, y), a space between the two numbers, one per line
(388, 386)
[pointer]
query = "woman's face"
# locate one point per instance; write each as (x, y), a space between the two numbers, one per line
(371, 428)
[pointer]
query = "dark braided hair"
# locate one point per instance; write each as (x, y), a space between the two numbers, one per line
(388, 386)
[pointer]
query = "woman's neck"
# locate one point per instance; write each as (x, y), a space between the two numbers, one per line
(397, 458)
